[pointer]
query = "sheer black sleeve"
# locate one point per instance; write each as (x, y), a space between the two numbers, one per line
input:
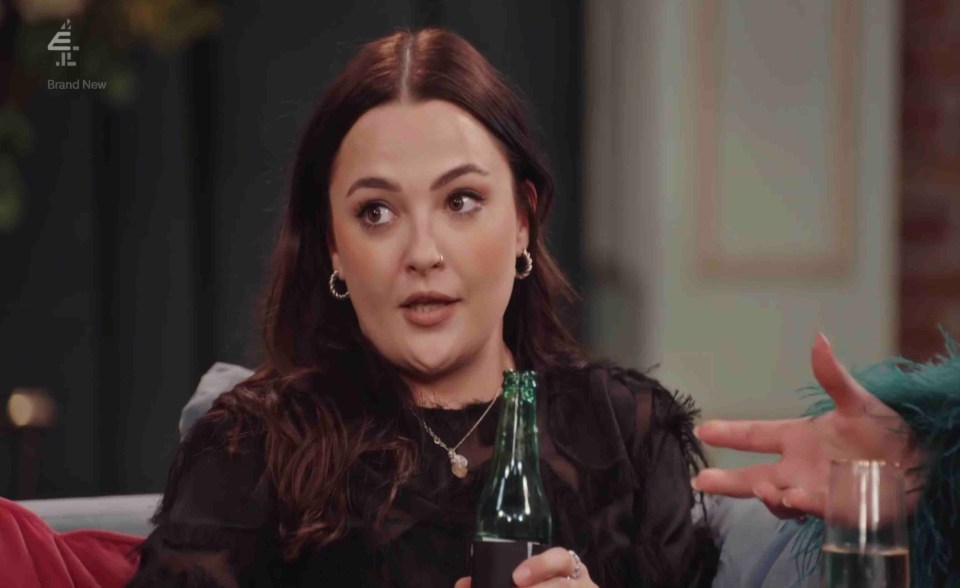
(213, 525)
(669, 545)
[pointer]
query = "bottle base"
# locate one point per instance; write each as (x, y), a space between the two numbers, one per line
(492, 561)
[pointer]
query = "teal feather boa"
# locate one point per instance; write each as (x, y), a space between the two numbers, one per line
(927, 397)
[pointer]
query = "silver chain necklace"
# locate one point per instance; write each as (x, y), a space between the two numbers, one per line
(458, 463)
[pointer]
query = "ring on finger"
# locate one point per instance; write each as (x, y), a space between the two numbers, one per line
(576, 566)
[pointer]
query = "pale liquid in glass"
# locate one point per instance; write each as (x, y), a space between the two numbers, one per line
(845, 567)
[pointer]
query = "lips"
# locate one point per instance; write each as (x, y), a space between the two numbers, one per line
(428, 309)
(427, 298)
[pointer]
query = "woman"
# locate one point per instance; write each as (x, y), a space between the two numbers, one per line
(409, 273)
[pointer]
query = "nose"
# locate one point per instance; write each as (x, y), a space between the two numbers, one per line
(423, 253)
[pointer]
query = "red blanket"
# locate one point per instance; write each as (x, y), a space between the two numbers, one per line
(34, 555)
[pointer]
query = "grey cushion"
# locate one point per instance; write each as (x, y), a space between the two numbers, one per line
(126, 514)
(756, 548)
(220, 378)
(131, 513)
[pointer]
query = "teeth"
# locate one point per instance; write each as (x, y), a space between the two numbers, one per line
(426, 307)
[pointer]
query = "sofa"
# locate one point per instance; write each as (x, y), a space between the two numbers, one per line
(131, 513)
(756, 548)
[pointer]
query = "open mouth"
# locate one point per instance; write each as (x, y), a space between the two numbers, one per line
(429, 312)
(427, 306)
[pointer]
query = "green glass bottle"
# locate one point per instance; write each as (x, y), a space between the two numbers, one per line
(513, 515)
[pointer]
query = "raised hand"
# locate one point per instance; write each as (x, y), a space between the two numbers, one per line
(860, 427)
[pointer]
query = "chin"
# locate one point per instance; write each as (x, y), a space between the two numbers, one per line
(430, 360)
(429, 366)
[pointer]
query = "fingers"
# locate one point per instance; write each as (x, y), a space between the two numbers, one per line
(555, 562)
(766, 483)
(463, 583)
(563, 582)
(846, 392)
(757, 436)
(813, 503)
(773, 498)
(738, 483)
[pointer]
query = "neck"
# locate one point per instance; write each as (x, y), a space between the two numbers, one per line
(476, 381)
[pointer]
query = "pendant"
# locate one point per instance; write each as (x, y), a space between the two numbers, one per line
(458, 464)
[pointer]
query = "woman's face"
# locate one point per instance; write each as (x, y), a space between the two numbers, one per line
(412, 182)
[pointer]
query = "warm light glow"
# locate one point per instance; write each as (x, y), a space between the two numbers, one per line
(31, 407)
(20, 407)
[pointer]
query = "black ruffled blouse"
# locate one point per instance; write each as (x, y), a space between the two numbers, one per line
(616, 453)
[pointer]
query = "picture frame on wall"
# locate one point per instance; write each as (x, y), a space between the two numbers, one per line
(768, 106)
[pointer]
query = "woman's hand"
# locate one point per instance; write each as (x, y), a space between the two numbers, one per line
(860, 427)
(550, 569)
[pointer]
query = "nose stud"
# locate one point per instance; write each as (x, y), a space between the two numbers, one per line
(439, 260)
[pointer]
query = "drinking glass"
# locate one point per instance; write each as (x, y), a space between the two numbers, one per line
(865, 542)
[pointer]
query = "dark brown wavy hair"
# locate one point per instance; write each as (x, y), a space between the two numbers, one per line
(323, 396)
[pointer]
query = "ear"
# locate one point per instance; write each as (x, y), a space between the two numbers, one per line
(335, 262)
(529, 193)
(332, 248)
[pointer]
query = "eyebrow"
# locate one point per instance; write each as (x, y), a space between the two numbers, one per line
(446, 178)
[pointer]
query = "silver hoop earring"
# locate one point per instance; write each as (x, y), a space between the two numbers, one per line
(333, 288)
(528, 259)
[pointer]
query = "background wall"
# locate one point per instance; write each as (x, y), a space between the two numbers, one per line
(738, 341)
(930, 195)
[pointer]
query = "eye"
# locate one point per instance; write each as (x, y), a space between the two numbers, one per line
(464, 202)
(375, 214)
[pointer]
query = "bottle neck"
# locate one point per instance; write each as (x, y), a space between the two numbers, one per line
(513, 504)
(517, 434)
